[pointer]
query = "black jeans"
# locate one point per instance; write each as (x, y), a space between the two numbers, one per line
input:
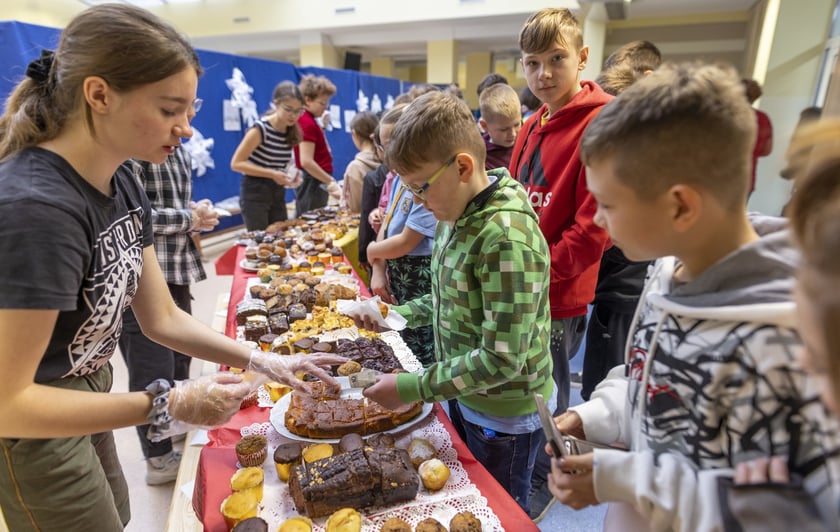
(310, 195)
(606, 337)
(148, 361)
(262, 201)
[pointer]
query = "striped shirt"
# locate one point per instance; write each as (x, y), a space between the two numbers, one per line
(274, 151)
(169, 188)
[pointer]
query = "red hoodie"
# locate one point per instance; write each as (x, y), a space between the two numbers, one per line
(546, 160)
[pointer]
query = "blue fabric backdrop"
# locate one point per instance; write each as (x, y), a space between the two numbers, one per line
(20, 43)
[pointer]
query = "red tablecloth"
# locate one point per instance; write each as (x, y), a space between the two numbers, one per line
(217, 462)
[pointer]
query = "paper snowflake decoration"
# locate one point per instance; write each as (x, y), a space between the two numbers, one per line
(199, 149)
(362, 102)
(242, 96)
(376, 104)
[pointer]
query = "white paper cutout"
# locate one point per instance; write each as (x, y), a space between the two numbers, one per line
(348, 117)
(375, 104)
(335, 117)
(199, 149)
(242, 97)
(362, 102)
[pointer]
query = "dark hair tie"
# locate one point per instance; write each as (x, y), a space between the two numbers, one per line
(39, 69)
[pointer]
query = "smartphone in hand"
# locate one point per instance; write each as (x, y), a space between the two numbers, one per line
(552, 435)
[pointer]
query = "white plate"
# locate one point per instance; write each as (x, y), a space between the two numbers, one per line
(248, 266)
(277, 416)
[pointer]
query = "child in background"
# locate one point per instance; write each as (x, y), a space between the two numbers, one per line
(501, 118)
(489, 300)
(313, 155)
(400, 259)
(374, 184)
(620, 281)
(546, 160)
(712, 378)
(263, 159)
(362, 127)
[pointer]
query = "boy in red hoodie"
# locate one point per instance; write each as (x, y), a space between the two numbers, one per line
(546, 161)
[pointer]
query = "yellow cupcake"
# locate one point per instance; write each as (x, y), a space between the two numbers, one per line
(248, 479)
(344, 520)
(296, 524)
(238, 506)
(317, 451)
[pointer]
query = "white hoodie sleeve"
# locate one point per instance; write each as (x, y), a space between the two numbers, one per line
(603, 415)
(667, 495)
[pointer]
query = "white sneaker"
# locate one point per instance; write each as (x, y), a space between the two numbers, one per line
(162, 469)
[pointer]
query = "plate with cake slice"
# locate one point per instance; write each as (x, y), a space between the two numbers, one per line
(326, 416)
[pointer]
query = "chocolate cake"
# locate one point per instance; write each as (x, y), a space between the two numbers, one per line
(356, 479)
(322, 415)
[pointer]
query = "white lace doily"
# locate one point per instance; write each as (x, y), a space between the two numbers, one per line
(459, 493)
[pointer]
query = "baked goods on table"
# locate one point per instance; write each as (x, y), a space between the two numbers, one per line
(286, 456)
(464, 522)
(238, 506)
(249, 479)
(395, 524)
(324, 414)
(356, 479)
(344, 520)
(434, 474)
(430, 524)
(296, 524)
(252, 524)
(252, 450)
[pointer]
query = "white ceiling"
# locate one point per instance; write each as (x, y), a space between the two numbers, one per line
(406, 42)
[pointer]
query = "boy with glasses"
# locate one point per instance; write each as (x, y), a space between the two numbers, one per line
(488, 305)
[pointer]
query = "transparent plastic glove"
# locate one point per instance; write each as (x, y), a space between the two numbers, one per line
(284, 368)
(204, 216)
(208, 401)
(334, 190)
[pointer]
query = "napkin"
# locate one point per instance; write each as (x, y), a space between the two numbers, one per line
(370, 308)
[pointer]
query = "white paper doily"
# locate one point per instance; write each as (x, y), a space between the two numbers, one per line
(459, 494)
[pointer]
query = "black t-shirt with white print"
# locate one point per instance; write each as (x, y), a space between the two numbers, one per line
(66, 246)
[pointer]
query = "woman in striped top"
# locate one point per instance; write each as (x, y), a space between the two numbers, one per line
(263, 159)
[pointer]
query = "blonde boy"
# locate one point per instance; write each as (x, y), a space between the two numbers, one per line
(711, 378)
(501, 119)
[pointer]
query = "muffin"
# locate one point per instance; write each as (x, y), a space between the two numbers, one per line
(296, 524)
(350, 442)
(252, 450)
(318, 268)
(252, 399)
(420, 450)
(433, 474)
(316, 451)
(344, 520)
(348, 368)
(266, 340)
(249, 479)
(430, 525)
(238, 506)
(343, 268)
(252, 524)
(395, 524)
(464, 522)
(286, 456)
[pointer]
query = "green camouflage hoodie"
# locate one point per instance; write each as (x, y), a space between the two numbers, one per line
(488, 307)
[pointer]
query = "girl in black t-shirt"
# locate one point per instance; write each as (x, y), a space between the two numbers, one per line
(76, 243)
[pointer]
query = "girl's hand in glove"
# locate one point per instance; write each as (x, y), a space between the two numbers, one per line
(208, 401)
(284, 368)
